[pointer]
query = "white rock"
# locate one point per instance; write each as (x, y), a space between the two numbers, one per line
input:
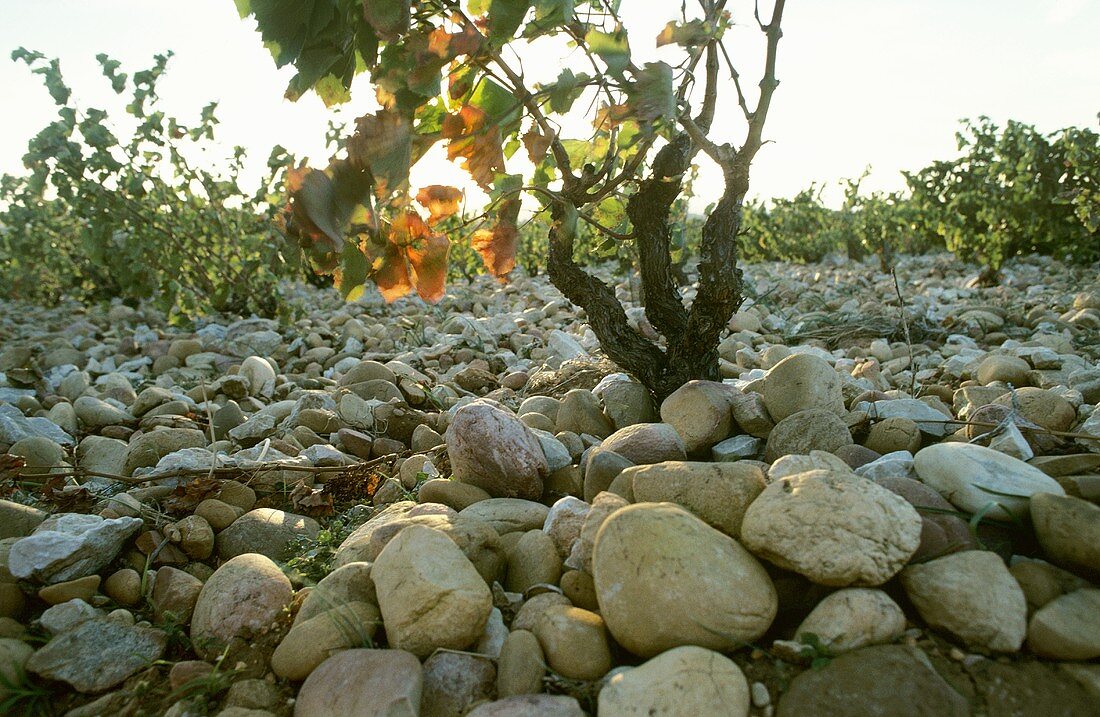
(971, 595)
(928, 419)
(683, 681)
(972, 477)
(69, 546)
(852, 618)
(835, 528)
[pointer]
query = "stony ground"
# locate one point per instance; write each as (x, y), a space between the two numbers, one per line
(463, 510)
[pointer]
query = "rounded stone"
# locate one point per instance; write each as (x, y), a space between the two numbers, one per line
(1042, 407)
(346, 584)
(814, 429)
(363, 682)
(941, 531)
(975, 478)
(123, 586)
(507, 515)
(533, 560)
(521, 665)
(801, 382)
(1006, 369)
(574, 642)
(835, 528)
(683, 681)
(492, 449)
(971, 595)
(1066, 628)
(430, 594)
(580, 412)
(700, 411)
(451, 493)
(664, 578)
(894, 434)
(719, 493)
(259, 374)
(852, 618)
(1068, 530)
(310, 642)
(243, 598)
(644, 443)
(80, 588)
(265, 531)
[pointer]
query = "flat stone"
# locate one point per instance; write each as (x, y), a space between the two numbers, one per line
(971, 595)
(894, 680)
(973, 477)
(66, 546)
(98, 654)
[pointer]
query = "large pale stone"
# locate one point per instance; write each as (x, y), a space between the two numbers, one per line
(1068, 529)
(242, 599)
(852, 618)
(430, 594)
(664, 578)
(835, 528)
(1066, 628)
(310, 642)
(801, 382)
(700, 411)
(492, 449)
(974, 478)
(685, 681)
(646, 443)
(719, 493)
(363, 682)
(971, 595)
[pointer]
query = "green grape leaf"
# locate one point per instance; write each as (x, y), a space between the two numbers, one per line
(505, 17)
(389, 18)
(612, 48)
(650, 95)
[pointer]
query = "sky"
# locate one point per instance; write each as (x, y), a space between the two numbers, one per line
(879, 83)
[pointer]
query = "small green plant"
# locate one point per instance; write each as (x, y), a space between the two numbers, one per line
(313, 556)
(816, 651)
(203, 693)
(21, 695)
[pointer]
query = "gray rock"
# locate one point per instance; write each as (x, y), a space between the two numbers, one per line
(98, 654)
(894, 680)
(69, 546)
(14, 426)
(265, 531)
(737, 448)
(928, 419)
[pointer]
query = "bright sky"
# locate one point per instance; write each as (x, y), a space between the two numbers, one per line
(863, 82)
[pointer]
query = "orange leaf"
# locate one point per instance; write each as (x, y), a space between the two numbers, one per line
(406, 228)
(478, 145)
(440, 200)
(497, 247)
(450, 45)
(428, 259)
(391, 273)
(536, 143)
